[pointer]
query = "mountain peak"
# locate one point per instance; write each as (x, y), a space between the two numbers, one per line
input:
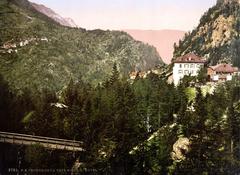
(53, 15)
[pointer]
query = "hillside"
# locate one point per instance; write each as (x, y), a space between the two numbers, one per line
(217, 36)
(36, 52)
(163, 40)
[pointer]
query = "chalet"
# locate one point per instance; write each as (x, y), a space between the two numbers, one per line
(133, 75)
(9, 45)
(189, 64)
(221, 72)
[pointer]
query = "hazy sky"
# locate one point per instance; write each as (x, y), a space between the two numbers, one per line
(132, 14)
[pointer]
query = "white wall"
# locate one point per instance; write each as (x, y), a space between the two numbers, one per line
(229, 77)
(216, 77)
(182, 69)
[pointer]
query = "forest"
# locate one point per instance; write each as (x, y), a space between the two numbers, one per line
(116, 119)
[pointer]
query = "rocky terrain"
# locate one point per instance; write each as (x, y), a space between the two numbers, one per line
(50, 13)
(217, 36)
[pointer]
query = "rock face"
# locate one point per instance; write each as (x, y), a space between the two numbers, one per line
(227, 1)
(217, 36)
(70, 22)
(56, 17)
(180, 148)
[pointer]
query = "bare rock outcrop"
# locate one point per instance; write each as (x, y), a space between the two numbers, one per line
(180, 148)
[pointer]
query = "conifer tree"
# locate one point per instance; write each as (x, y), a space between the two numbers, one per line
(115, 74)
(5, 105)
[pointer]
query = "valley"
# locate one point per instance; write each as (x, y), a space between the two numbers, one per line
(78, 101)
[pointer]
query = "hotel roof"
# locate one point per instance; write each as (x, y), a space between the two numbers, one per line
(189, 58)
(224, 68)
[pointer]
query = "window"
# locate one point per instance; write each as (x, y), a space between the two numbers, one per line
(180, 65)
(200, 66)
(186, 66)
(180, 71)
(192, 65)
(186, 72)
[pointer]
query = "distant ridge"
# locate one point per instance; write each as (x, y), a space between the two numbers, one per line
(163, 40)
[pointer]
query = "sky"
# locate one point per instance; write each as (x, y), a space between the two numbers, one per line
(132, 14)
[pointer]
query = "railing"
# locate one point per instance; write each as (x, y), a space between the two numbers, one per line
(47, 142)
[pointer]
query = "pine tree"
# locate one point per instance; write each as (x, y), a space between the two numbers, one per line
(115, 74)
(70, 94)
(5, 105)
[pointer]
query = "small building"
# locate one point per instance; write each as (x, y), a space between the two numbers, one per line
(189, 64)
(9, 45)
(222, 72)
(135, 74)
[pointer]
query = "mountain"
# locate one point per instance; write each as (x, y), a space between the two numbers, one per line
(50, 13)
(163, 40)
(217, 37)
(38, 53)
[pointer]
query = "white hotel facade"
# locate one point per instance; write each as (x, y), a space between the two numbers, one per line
(189, 64)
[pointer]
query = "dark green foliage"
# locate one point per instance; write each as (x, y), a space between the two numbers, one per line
(39, 158)
(211, 127)
(235, 49)
(202, 77)
(113, 119)
(156, 101)
(5, 105)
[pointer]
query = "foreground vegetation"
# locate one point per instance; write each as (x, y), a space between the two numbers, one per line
(115, 120)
